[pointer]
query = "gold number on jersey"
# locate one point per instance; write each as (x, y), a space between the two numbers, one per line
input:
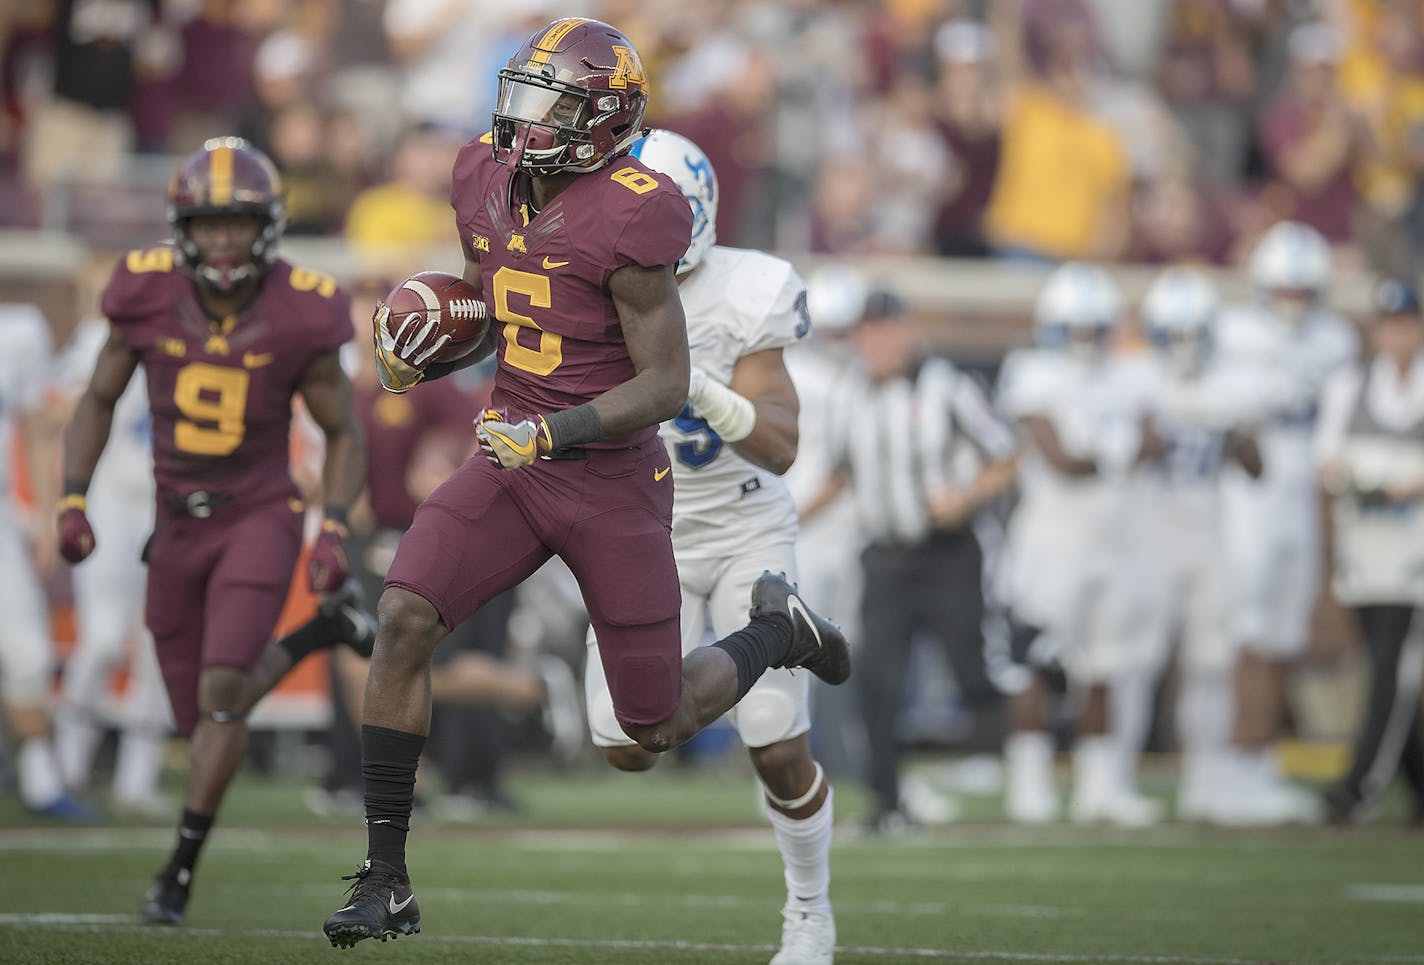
(210, 394)
(634, 180)
(305, 280)
(550, 353)
(149, 259)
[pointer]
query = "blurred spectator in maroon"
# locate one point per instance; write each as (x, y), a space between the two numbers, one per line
(83, 132)
(1312, 139)
(158, 64)
(219, 44)
(898, 39)
(970, 110)
(352, 160)
(1176, 222)
(1206, 74)
(730, 125)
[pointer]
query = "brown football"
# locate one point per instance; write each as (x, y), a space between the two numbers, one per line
(447, 300)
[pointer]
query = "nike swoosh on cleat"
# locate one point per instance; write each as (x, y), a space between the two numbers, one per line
(794, 604)
(347, 908)
(396, 909)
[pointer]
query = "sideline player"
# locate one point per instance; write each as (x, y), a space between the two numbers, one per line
(26, 655)
(108, 602)
(227, 333)
(733, 519)
(1294, 342)
(575, 244)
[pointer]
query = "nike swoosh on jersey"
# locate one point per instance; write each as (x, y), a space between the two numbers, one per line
(794, 604)
(396, 909)
(255, 360)
(658, 474)
(553, 264)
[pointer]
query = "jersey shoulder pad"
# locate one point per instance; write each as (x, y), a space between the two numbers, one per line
(141, 285)
(764, 293)
(644, 218)
(318, 309)
(475, 168)
(1030, 382)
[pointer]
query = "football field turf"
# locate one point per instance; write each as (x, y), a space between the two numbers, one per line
(673, 867)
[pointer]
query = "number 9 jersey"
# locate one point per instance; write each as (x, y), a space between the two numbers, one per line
(546, 273)
(221, 390)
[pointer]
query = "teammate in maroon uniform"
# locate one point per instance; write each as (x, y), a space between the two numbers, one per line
(227, 334)
(575, 245)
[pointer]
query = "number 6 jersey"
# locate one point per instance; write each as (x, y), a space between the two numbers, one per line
(546, 273)
(221, 390)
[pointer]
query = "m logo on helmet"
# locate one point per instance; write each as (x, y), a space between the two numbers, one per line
(629, 68)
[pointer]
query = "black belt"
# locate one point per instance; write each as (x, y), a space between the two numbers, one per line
(198, 505)
(572, 453)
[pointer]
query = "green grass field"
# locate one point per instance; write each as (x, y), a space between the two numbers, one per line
(674, 867)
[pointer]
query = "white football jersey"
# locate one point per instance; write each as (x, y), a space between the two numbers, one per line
(737, 302)
(126, 466)
(23, 377)
(1291, 363)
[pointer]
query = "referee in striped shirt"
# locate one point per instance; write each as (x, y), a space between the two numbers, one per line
(922, 451)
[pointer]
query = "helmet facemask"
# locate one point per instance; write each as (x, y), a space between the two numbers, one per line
(545, 126)
(224, 273)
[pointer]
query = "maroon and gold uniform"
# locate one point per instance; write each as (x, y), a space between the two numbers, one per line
(229, 521)
(608, 512)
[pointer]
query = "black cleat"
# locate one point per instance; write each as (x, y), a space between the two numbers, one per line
(348, 619)
(816, 643)
(166, 899)
(379, 904)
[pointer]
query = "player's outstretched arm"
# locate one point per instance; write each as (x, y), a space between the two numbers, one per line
(88, 429)
(655, 331)
(762, 380)
(327, 393)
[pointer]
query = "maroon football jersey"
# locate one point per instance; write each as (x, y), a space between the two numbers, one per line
(221, 392)
(396, 425)
(546, 275)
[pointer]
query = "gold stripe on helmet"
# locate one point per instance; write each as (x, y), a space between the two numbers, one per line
(221, 172)
(549, 43)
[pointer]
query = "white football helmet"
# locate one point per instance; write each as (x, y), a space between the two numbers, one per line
(1077, 308)
(1178, 314)
(1291, 267)
(835, 297)
(680, 159)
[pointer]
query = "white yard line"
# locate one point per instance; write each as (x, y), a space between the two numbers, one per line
(1410, 894)
(110, 923)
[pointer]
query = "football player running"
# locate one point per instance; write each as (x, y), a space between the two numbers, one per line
(733, 519)
(1293, 342)
(575, 244)
(227, 333)
(1204, 411)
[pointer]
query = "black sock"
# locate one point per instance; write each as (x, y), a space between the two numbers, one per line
(192, 832)
(760, 644)
(310, 636)
(388, 762)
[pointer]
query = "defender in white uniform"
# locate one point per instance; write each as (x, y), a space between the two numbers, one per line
(1079, 431)
(1204, 411)
(26, 644)
(733, 518)
(108, 596)
(1293, 343)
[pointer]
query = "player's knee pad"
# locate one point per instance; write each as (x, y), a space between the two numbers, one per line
(767, 717)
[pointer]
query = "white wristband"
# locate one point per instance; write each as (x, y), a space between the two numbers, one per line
(729, 415)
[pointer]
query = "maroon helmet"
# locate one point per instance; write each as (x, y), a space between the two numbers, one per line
(571, 99)
(226, 175)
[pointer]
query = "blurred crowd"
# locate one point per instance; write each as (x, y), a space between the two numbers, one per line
(1118, 130)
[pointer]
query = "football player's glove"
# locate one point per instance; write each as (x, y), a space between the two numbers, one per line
(510, 445)
(327, 568)
(401, 355)
(76, 536)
